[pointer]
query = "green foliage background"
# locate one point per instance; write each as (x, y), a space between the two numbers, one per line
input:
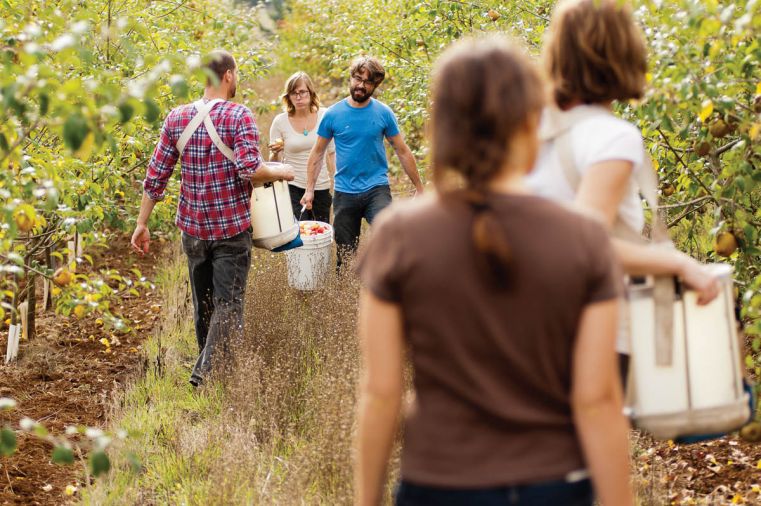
(704, 67)
(84, 87)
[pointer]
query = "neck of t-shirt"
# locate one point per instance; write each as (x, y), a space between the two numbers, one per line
(350, 102)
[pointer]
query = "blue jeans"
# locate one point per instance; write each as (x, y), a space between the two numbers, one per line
(218, 272)
(551, 493)
(348, 211)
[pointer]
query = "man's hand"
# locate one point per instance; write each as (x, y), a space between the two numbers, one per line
(141, 239)
(287, 173)
(307, 199)
(269, 172)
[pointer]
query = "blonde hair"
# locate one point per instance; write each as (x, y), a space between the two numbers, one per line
(290, 86)
(595, 53)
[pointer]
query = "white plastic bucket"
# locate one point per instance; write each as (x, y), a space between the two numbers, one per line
(272, 220)
(698, 388)
(309, 265)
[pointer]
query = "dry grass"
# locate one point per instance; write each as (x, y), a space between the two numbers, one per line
(291, 392)
(274, 428)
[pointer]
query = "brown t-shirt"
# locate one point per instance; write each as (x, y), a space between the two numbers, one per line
(492, 369)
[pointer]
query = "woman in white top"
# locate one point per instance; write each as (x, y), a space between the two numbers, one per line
(292, 135)
(596, 54)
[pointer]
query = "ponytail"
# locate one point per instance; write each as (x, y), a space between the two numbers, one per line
(493, 252)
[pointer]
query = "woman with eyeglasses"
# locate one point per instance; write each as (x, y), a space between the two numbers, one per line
(292, 135)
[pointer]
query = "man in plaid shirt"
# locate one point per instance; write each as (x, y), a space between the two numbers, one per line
(214, 212)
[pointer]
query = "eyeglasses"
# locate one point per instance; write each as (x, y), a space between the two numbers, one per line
(299, 94)
(366, 82)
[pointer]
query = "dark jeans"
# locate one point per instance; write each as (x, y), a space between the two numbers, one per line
(320, 205)
(552, 493)
(218, 272)
(623, 369)
(348, 211)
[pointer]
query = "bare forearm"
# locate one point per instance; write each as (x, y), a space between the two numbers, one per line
(641, 259)
(146, 208)
(603, 432)
(267, 174)
(377, 425)
(314, 165)
(407, 159)
(330, 162)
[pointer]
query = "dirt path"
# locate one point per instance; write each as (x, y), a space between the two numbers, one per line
(66, 377)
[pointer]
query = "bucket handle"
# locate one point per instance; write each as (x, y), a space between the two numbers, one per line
(304, 208)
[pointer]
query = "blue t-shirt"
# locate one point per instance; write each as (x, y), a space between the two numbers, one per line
(358, 133)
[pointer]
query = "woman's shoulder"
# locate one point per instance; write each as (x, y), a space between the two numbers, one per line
(605, 126)
(280, 118)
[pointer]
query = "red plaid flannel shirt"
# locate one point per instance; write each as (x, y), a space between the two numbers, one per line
(214, 194)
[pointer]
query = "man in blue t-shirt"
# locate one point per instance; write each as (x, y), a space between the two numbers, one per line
(358, 124)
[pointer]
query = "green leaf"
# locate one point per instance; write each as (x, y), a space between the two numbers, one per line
(44, 104)
(4, 143)
(179, 86)
(8, 442)
(62, 455)
(99, 463)
(75, 129)
(126, 111)
(152, 111)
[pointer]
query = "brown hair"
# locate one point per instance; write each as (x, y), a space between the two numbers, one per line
(373, 66)
(595, 53)
(484, 92)
(218, 62)
(290, 85)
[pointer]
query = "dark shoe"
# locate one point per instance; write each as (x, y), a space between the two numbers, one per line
(195, 381)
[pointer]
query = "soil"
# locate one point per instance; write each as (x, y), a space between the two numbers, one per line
(65, 376)
(721, 471)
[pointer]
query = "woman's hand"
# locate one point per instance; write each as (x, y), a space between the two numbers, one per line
(698, 277)
(277, 145)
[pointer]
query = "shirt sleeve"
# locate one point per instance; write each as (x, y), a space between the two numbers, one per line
(613, 140)
(320, 117)
(605, 279)
(379, 264)
(246, 144)
(162, 163)
(392, 126)
(325, 130)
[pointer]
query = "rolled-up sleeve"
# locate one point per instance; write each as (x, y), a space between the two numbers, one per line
(162, 164)
(247, 155)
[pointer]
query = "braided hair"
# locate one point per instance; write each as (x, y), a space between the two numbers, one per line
(485, 91)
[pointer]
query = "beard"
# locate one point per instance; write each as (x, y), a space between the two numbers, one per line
(360, 94)
(232, 91)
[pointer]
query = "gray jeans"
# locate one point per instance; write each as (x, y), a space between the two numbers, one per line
(218, 272)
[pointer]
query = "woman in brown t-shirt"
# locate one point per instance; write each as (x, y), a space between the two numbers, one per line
(506, 305)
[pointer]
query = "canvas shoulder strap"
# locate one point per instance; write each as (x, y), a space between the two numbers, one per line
(558, 131)
(202, 116)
